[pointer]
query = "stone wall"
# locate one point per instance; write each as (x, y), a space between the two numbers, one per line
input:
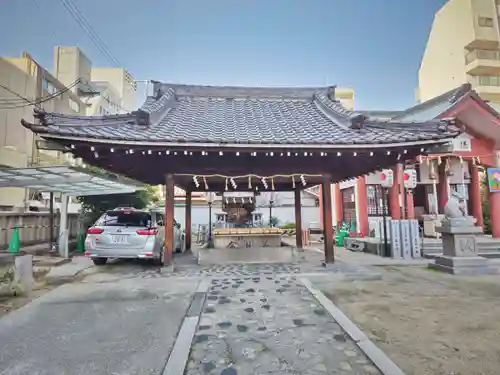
(34, 227)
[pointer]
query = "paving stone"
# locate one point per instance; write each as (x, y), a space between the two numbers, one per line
(209, 366)
(320, 312)
(242, 328)
(295, 336)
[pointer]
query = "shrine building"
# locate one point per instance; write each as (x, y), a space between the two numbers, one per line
(204, 138)
(457, 168)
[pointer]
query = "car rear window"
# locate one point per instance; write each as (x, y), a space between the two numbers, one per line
(124, 219)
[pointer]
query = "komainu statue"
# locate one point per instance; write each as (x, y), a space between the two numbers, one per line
(455, 207)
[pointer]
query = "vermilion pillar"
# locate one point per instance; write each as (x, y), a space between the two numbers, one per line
(495, 214)
(393, 196)
(495, 207)
(362, 206)
(169, 218)
(476, 204)
(410, 206)
(407, 203)
(337, 199)
(442, 187)
(188, 219)
(298, 218)
(327, 219)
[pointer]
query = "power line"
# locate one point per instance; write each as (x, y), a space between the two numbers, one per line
(38, 101)
(37, 5)
(84, 24)
(104, 97)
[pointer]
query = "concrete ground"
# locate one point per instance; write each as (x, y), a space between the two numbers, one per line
(244, 318)
(243, 255)
(104, 327)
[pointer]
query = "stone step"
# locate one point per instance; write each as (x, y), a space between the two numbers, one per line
(489, 255)
(482, 248)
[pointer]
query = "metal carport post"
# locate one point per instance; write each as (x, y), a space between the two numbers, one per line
(69, 182)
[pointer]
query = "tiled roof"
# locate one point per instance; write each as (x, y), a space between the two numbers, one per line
(241, 115)
(435, 107)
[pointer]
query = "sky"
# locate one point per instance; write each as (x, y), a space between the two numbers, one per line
(372, 46)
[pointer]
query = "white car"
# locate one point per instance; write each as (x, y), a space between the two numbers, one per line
(130, 233)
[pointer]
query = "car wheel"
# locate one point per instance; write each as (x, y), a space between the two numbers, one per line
(99, 261)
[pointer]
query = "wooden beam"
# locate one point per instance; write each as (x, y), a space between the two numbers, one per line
(339, 167)
(169, 218)
(188, 219)
(326, 193)
(298, 219)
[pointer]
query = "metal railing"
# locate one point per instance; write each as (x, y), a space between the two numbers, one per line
(482, 54)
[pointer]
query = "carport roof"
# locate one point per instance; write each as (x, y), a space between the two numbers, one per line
(71, 181)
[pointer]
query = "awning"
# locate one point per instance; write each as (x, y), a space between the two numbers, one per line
(70, 181)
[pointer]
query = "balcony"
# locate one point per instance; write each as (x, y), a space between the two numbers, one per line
(483, 62)
(488, 87)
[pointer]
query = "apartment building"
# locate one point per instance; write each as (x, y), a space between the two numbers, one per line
(23, 77)
(463, 46)
(105, 90)
(97, 92)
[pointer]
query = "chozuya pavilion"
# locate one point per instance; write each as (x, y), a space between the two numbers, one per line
(207, 138)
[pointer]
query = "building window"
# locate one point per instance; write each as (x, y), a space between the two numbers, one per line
(348, 206)
(74, 105)
(49, 87)
(489, 80)
(375, 200)
(485, 22)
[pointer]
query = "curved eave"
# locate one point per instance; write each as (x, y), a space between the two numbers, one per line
(236, 146)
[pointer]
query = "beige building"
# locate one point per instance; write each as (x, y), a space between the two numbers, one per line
(101, 91)
(106, 90)
(463, 46)
(345, 96)
(26, 78)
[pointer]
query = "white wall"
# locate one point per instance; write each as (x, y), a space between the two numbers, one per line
(285, 211)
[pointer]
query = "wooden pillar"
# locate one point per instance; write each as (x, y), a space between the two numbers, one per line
(362, 207)
(476, 203)
(393, 196)
(298, 219)
(321, 212)
(327, 219)
(188, 219)
(337, 199)
(443, 187)
(169, 218)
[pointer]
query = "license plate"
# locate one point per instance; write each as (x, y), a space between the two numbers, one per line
(119, 239)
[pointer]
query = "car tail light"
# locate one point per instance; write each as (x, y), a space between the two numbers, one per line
(147, 232)
(95, 231)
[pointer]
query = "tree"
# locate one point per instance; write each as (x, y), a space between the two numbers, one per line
(486, 204)
(95, 205)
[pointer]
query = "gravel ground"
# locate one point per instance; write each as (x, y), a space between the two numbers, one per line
(427, 322)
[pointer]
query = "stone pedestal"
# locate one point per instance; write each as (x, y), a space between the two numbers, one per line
(460, 249)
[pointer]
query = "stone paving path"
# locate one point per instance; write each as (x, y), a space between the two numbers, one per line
(270, 324)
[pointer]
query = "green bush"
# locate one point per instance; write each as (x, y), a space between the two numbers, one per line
(486, 216)
(288, 225)
(486, 206)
